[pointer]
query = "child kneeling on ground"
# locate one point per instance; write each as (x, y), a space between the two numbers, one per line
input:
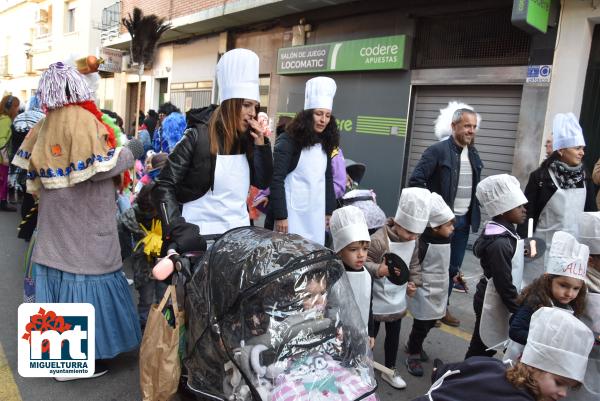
(430, 301)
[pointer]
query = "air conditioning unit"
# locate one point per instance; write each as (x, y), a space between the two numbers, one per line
(41, 16)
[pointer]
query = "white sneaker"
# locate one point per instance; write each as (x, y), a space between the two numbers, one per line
(97, 373)
(395, 381)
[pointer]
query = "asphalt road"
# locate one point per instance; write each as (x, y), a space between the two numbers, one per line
(122, 381)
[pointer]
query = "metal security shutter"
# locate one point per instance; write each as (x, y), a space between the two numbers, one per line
(499, 109)
(199, 98)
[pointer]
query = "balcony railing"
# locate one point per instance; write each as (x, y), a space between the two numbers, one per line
(111, 20)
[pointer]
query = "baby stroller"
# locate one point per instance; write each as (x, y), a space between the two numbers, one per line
(272, 317)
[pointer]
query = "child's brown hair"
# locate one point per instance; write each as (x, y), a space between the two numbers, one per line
(539, 293)
(522, 376)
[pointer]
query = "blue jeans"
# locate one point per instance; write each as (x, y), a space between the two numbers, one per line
(458, 246)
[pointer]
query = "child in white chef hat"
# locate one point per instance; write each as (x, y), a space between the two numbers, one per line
(589, 234)
(431, 298)
(562, 286)
(554, 360)
(351, 241)
(398, 237)
(501, 255)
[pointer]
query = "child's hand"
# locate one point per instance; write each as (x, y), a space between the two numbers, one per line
(281, 226)
(383, 270)
(261, 202)
(371, 342)
(411, 289)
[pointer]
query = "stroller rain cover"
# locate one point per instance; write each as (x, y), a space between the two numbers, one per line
(273, 317)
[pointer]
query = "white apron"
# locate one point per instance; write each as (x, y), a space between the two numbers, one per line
(360, 282)
(305, 195)
(429, 302)
(590, 391)
(224, 207)
(494, 325)
(559, 214)
(389, 298)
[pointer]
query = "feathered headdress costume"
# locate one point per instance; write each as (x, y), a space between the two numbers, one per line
(73, 142)
(443, 123)
(145, 30)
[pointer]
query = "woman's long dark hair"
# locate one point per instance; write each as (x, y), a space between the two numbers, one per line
(223, 129)
(302, 131)
(553, 156)
(539, 293)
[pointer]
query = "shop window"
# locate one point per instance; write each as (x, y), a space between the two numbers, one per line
(70, 14)
(43, 21)
(264, 83)
(485, 38)
(163, 89)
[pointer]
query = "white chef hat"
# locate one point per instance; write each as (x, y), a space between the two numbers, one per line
(500, 193)
(440, 211)
(589, 231)
(566, 132)
(567, 257)
(348, 225)
(237, 75)
(319, 93)
(413, 209)
(558, 343)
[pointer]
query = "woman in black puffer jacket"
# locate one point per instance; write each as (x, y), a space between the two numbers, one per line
(207, 176)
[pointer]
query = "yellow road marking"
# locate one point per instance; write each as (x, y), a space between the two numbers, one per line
(8, 388)
(455, 331)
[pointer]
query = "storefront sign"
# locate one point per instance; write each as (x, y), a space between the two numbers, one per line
(538, 74)
(113, 60)
(384, 53)
(531, 15)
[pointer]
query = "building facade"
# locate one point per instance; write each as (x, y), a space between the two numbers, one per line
(35, 34)
(396, 64)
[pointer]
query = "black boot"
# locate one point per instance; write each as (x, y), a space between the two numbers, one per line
(5, 207)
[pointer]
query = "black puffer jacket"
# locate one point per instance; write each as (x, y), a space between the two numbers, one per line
(495, 253)
(540, 189)
(190, 168)
(476, 379)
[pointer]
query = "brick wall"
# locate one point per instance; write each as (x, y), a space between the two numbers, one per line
(168, 9)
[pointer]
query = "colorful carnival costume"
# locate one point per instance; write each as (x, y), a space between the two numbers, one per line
(73, 161)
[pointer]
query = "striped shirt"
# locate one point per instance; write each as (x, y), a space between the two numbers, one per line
(465, 182)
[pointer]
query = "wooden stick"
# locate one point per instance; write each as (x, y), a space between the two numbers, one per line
(383, 369)
(139, 96)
